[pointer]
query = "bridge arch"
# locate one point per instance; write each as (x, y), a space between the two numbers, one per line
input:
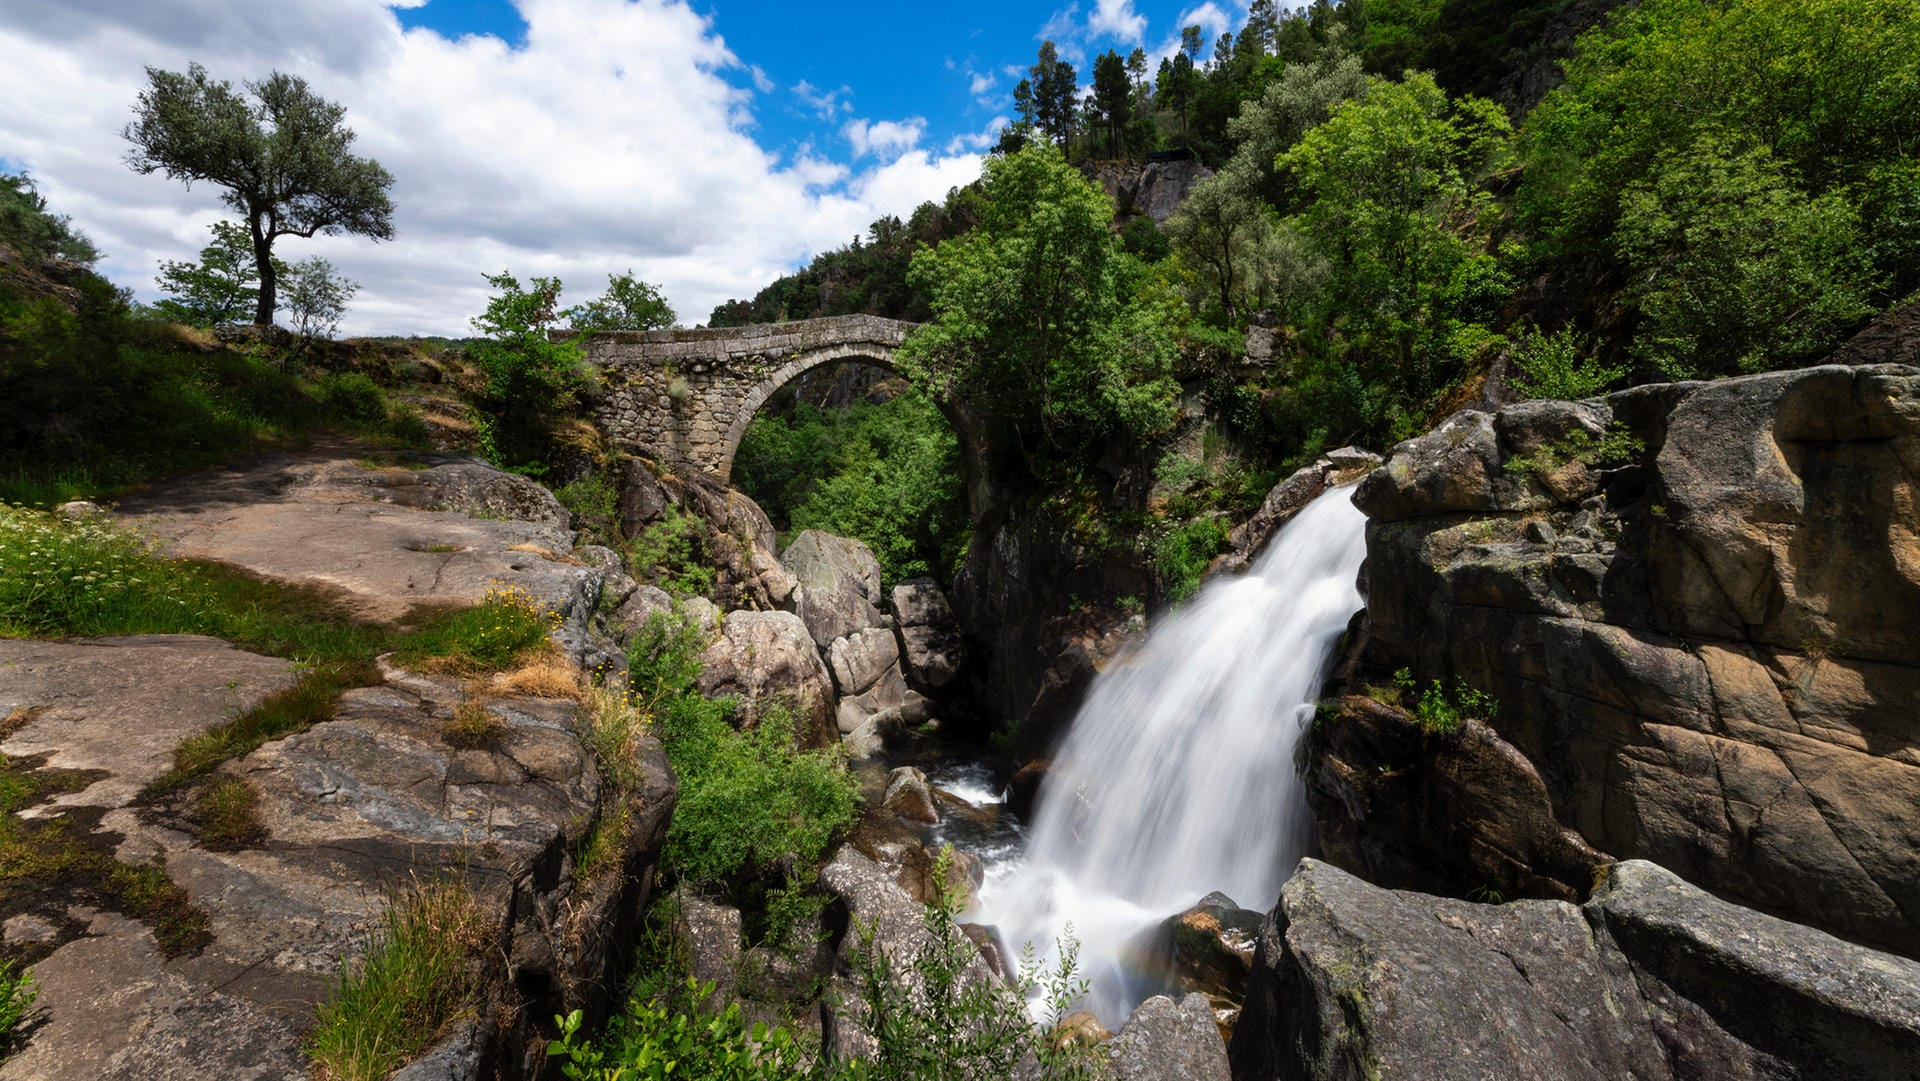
(686, 396)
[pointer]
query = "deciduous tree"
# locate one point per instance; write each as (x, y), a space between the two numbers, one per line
(282, 157)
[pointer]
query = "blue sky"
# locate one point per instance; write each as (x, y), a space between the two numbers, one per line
(706, 145)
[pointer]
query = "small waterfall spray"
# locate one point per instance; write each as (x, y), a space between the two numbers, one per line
(1177, 776)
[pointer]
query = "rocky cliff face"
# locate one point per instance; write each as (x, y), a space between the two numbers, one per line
(1153, 188)
(1652, 980)
(1704, 651)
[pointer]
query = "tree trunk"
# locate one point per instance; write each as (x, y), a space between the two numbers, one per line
(263, 259)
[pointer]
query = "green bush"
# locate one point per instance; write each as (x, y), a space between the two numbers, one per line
(666, 1038)
(354, 399)
(531, 381)
(1554, 366)
(1182, 553)
(674, 554)
(595, 505)
(1438, 711)
(750, 804)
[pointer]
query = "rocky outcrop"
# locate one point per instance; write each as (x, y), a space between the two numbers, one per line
(1704, 649)
(736, 537)
(346, 810)
(1652, 979)
(839, 582)
(1153, 188)
(767, 659)
(908, 796)
(1473, 818)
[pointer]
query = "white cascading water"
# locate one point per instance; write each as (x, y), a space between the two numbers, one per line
(1177, 776)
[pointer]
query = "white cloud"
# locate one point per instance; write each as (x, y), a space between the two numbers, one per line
(826, 104)
(1117, 19)
(761, 81)
(608, 139)
(1212, 22)
(977, 142)
(884, 138)
(980, 83)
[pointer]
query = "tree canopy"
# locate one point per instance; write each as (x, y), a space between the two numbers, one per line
(284, 159)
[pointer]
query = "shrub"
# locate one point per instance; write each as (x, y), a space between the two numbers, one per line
(659, 1038)
(673, 553)
(17, 993)
(1437, 711)
(595, 506)
(930, 1020)
(1553, 366)
(353, 398)
(750, 805)
(414, 978)
(1613, 447)
(530, 380)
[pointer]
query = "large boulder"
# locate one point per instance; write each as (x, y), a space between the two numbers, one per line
(707, 937)
(767, 659)
(1166, 1040)
(930, 638)
(1652, 979)
(839, 584)
(1288, 498)
(1206, 949)
(1702, 649)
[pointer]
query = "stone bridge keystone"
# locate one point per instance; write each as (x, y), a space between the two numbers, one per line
(685, 396)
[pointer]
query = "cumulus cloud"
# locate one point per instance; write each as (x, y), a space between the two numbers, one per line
(980, 141)
(1212, 21)
(608, 137)
(884, 138)
(1117, 19)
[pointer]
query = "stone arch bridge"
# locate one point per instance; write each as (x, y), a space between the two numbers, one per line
(686, 396)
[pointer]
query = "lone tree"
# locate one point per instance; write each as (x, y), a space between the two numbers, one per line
(282, 158)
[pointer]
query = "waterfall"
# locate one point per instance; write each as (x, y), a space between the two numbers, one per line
(1177, 776)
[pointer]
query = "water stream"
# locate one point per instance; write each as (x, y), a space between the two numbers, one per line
(1177, 776)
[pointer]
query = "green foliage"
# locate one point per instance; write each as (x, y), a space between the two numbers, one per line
(531, 381)
(1554, 366)
(665, 1038)
(888, 475)
(1438, 711)
(933, 1016)
(17, 993)
(749, 804)
(595, 505)
(1042, 324)
(1182, 553)
(353, 399)
(283, 159)
(1390, 176)
(29, 228)
(1613, 447)
(488, 637)
(1736, 269)
(316, 297)
(673, 553)
(628, 304)
(414, 977)
(93, 398)
(221, 288)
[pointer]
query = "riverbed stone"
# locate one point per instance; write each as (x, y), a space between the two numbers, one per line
(909, 796)
(767, 659)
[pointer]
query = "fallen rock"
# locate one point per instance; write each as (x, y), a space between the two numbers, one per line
(860, 659)
(708, 936)
(1166, 1040)
(909, 796)
(764, 659)
(931, 642)
(1207, 949)
(1652, 979)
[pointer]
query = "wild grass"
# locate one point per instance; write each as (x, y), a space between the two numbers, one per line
(225, 814)
(544, 675)
(496, 634)
(474, 727)
(308, 702)
(17, 994)
(414, 978)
